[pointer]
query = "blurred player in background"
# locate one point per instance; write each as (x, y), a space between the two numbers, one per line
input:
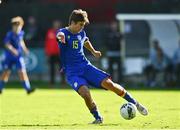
(114, 39)
(79, 71)
(13, 55)
(159, 63)
(52, 51)
(32, 30)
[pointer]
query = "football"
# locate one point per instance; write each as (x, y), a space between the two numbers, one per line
(128, 111)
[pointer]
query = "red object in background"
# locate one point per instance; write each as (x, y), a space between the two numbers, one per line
(99, 10)
(51, 45)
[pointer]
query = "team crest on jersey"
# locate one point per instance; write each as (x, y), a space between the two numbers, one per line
(68, 37)
(79, 37)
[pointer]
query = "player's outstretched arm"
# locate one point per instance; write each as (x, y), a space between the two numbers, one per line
(11, 49)
(25, 49)
(89, 46)
(60, 36)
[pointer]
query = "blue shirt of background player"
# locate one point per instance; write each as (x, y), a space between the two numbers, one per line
(72, 55)
(15, 41)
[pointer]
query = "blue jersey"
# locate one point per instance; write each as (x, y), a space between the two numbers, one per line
(71, 52)
(14, 40)
(79, 71)
(10, 59)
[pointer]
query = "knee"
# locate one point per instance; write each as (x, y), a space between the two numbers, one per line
(22, 71)
(5, 75)
(84, 93)
(23, 74)
(108, 83)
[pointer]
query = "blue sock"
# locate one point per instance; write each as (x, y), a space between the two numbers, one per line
(2, 84)
(129, 98)
(26, 85)
(95, 113)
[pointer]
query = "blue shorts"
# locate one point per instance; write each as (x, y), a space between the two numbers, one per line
(8, 62)
(90, 76)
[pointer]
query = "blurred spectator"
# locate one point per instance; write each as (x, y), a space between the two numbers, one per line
(159, 63)
(113, 53)
(52, 50)
(32, 33)
(176, 62)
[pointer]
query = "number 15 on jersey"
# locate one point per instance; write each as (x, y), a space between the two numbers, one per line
(75, 44)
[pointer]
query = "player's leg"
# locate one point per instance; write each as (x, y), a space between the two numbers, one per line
(20, 65)
(79, 84)
(6, 65)
(4, 79)
(24, 79)
(52, 70)
(108, 84)
(85, 94)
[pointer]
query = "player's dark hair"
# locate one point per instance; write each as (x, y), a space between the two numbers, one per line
(78, 16)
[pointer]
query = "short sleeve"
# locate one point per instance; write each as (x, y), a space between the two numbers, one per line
(7, 39)
(21, 35)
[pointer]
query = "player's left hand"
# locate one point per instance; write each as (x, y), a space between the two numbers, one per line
(97, 54)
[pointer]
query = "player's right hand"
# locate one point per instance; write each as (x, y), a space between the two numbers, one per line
(12, 49)
(60, 37)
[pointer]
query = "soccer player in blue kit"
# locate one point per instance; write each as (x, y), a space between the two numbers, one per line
(79, 71)
(13, 55)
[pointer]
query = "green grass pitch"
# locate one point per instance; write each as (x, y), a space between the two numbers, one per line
(64, 109)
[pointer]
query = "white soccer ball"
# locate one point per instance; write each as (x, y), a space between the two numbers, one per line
(128, 111)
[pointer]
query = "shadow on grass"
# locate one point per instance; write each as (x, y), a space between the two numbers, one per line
(30, 125)
(57, 125)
